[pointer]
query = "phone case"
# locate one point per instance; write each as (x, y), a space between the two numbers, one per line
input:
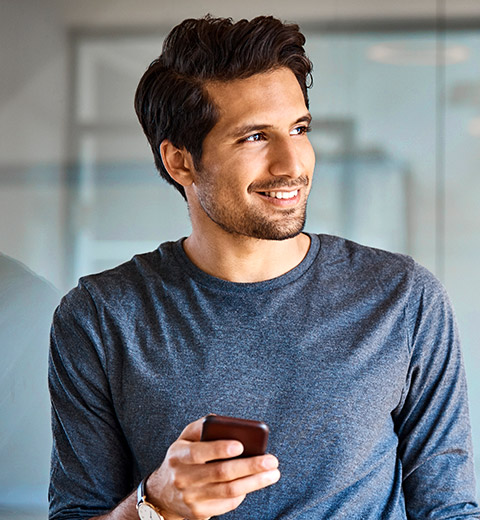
(252, 434)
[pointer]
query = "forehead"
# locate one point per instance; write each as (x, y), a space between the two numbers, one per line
(266, 97)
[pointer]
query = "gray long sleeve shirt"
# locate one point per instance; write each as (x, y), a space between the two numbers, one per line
(352, 358)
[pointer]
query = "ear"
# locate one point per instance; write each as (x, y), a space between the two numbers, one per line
(178, 163)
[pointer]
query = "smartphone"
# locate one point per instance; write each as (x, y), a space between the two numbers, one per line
(252, 434)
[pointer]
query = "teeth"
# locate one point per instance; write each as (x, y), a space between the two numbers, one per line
(282, 194)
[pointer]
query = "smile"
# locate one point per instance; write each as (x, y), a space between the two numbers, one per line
(281, 194)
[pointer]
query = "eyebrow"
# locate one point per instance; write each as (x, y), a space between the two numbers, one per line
(247, 129)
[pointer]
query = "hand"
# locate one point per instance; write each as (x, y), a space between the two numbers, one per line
(184, 486)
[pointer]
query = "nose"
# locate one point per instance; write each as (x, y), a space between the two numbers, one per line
(285, 158)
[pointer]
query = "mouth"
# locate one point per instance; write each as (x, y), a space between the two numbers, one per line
(281, 197)
(281, 194)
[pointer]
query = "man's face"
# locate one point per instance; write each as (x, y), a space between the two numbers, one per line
(257, 161)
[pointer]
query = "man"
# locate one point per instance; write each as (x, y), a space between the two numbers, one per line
(349, 354)
(25, 298)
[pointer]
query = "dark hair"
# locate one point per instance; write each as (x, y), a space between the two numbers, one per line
(171, 100)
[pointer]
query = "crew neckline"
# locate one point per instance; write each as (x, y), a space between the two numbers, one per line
(224, 285)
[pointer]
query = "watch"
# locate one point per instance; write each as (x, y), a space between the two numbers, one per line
(146, 511)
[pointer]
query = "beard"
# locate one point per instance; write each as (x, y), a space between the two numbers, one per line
(258, 226)
(251, 221)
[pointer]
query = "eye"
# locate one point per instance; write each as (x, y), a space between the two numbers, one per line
(300, 130)
(254, 137)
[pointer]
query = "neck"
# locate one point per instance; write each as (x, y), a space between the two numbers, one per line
(245, 259)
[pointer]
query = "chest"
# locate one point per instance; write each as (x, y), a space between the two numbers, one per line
(326, 380)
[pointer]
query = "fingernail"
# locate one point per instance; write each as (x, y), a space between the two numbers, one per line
(273, 476)
(235, 449)
(270, 463)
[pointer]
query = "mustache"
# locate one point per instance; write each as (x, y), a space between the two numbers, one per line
(279, 183)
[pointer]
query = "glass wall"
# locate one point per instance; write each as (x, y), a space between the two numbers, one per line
(397, 117)
(396, 132)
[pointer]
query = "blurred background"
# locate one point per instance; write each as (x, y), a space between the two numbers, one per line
(396, 107)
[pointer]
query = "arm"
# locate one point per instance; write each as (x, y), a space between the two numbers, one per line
(184, 486)
(432, 420)
(92, 466)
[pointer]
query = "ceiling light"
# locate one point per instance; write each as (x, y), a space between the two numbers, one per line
(416, 52)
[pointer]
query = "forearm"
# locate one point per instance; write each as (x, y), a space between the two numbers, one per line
(126, 510)
(185, 486)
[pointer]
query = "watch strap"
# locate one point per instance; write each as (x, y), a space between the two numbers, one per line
(141, 490)
(142, 496)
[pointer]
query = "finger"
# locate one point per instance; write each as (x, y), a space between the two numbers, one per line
(193, 432)
(227, 471)
(187, 452)
(239, 487)
(214, 508)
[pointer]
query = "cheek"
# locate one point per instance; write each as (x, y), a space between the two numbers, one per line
(237, 171)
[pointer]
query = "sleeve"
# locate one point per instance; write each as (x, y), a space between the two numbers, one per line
(91, 465)
(432, 422)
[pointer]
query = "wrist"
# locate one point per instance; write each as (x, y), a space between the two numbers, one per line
(146, 510)
(150, 498)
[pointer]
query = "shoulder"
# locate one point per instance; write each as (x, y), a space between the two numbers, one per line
(117, 295)
(365, 264)
(337, 249)
(19, 283)
(387, 277)
(106, 305)
(136, 276)
(372, 270)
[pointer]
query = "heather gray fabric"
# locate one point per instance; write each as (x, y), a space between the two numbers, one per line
(352, 358)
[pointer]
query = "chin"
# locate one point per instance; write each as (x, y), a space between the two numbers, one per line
(281, 236)
(276, 232)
